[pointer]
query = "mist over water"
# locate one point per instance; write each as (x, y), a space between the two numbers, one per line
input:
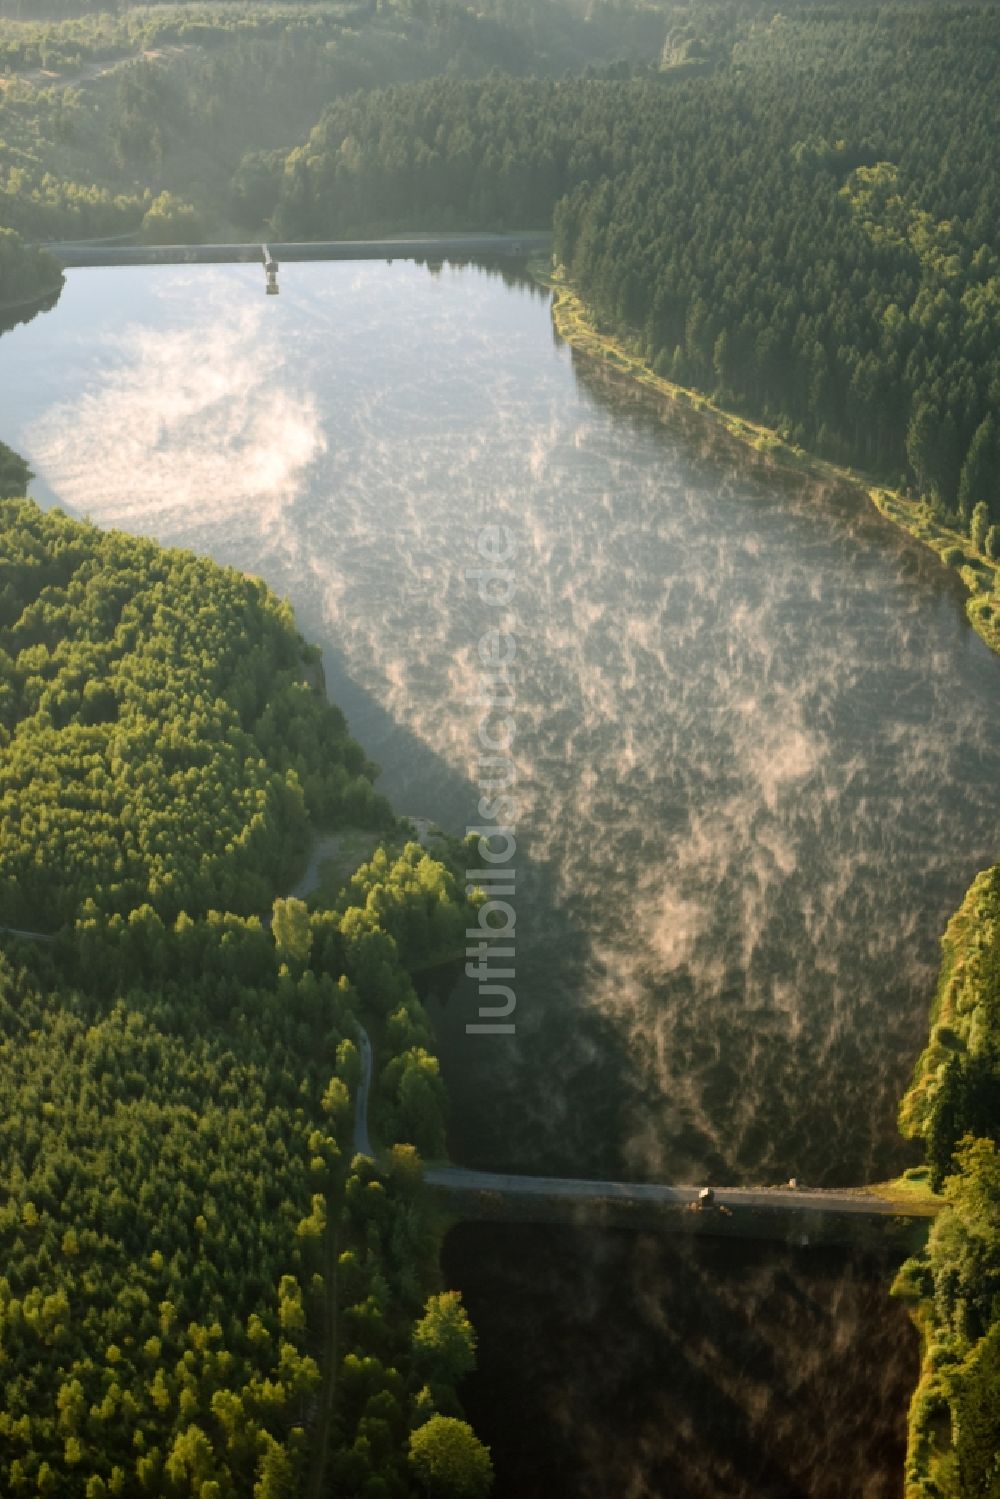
(758, 745)
(758, 753)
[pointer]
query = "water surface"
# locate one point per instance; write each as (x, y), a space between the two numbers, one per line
(758, 745)
(758, 753)
(671, 1368)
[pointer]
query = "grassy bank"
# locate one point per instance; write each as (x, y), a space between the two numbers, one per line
(574, 322)
(912, 1190)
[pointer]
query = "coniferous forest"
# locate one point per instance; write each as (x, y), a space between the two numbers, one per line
(809, 229)
(953, 1106)
(204, 1290)
(796, 211)
(793, 209)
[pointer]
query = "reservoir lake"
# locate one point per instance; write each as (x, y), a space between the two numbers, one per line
(758, 764)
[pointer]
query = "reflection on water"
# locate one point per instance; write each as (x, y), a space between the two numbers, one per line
(758, 745)
(682, 1369)
(14, 317)
(758, 755)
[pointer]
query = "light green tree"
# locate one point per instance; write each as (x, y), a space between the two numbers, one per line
(292, 931)
(449, 1461)
(444, 1343)
(979, 526)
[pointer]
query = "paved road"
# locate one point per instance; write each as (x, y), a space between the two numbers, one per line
(418, 247)
(463, 1179)
(459, 1179)
(785, 1199)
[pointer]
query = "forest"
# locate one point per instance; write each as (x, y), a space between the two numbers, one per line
(806, 229)
(795, 210)
(204, 1290)
(15, 474)
(136, 122)
(154, 753)
(27, 274)
(953, 1287)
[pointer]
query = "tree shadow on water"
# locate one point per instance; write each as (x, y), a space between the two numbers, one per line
(554, 1095)
(622, 1363)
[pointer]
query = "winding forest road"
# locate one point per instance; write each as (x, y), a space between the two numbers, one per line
(91, 72)
(362, 1139)
(857, 1202)
(14, 931)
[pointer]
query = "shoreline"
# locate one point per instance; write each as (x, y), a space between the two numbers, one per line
(34, 303)
(422, 247)
(979, 575)
(574, 323)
